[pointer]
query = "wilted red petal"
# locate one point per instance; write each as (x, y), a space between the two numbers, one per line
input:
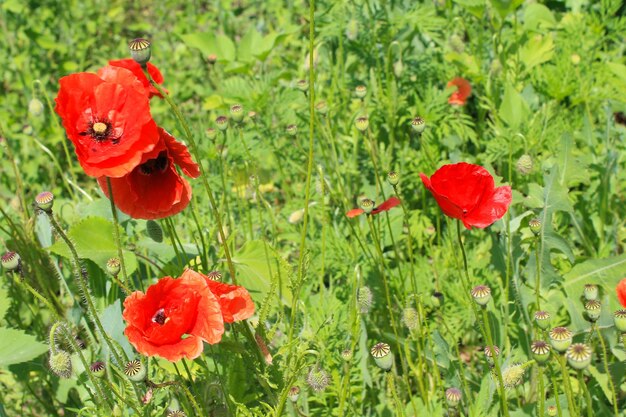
(387, 205)
(355, 212)
(621, 292)
(133, 66)
(235, 301)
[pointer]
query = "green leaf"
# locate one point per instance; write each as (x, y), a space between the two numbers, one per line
(504, 7)
(537, 16)
(514, 109)
(537, 50)
(93, 238)
(573, 168)
(5, 302)
(17, 347)
(257, 266)
(208, 44)
(113, 324)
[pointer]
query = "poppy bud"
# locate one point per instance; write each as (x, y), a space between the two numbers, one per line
(236, 112)
(590, 292)
(398, 68)
(593, 308)
(489, 353)
(360, 91)
(560, 338)
(212, 58)
(321, 107)
(381, 352)
(292, 130)
(362, 123)
(393, 178)
(97, 369)
(303, 85)
(619, 318)
(542, 318)
(135, 370)
(535, 226)
(552, 410)
(211, 133)
(173, 405)
(456, 44)
(410, 318)
(222, 123)
(113, 266)
(11, 261)
(364, 299)
(294, 393)
(481, 294)
(44, 201)
(578, 356)
(317, 379)
(418, 124)
(117, 411)
(61, 363)
(35, 107)
(140, 50)
(453, 397)
(540, 351)
(513, 375)
(154, 230)
(367, 205)
(524, 164)
(346, 355)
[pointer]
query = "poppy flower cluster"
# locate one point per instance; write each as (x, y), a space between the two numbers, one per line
(176, 315)
(467, 192)
(106, 115)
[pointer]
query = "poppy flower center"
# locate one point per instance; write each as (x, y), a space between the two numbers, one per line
(100, 131)
(158, 164)
(99, 128)
(160, 317)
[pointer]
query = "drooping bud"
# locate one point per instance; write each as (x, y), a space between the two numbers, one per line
(524, 164)
(154, 230)
(593, 308)
(97, 369)
(222, 123)
(540, 351)
(381, 352)
(140, 50)
(560, 338)
(619, 318)
(489, 353)
(292, 130)
(114, 266)
(135, 370)
(236, 112)
(364, 299)
(303, 85)
(367, 205)
(296, 216)
(453, 397)
(578, 356)
(44, 201)
(418, 124)
(590, 292)
(393, 178)
(398, 68)
(35, 107)
(535, 226)
(481, 294)
(294, 393)
(362, 123)
(11, 261)
(542, 318)
(61, 363)
(360, 91)
(317, 379)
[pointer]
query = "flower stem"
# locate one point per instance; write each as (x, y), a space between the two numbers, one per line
(606, 369)
(538, 274)
(555, 387)
(118, 240)
(581, 383)
(566, 383)
(541, 394)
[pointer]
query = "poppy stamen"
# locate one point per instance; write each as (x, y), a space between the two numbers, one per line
(100, 131)
(160, 317)
(160, 164)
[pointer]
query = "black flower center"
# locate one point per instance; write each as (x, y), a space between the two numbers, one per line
(158, 164)
(160, 317)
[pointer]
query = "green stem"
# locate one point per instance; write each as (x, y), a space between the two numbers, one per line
(566, 383)
(606, 369)
(541, 394)
(555, 387)
(116, 226)
(496, 361)
(581, 383)
(538, 274)
(391, 384)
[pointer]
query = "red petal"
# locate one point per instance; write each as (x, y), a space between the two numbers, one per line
(492, 208)
(180, 154)
(621, 292)
(355, 212)
(235, 301)
(387, 205)
(464, 90)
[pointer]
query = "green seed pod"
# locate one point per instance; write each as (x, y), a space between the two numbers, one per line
(173, 405)
(61, 363)
(560, 338)
(211, 133)
(619, 318)
(364, 299)
(215, 276)
(322, 107)
(590, 292)
(135, 370)
(292, 130)
(453, 397)
(362, 123)
(410, 318)
(593, 308)
(578, 356)
(367, 205)
(98, 369)
(524, 164)
(542, 318)
(303, 85)
(481, 294)
(552, 410)
(489, 355)
(418, 125)
(222, 123)
(393, 178)
(44, 201)
(317, 379)
(381, 352)
(140, 50)
(114, 266)
(154, 230)
(236, 112)
(437, 299)
(176, 413)
(535, 226)
(540, 351)
(294, 393)
(11, 261)
(360, 91)
(35, 107)
(346, 355)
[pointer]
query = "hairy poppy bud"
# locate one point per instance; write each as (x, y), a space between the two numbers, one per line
(524, 164)
(61, 363)
(364, 299)
(140, 50)
(303, 85)
(346, 355)
(322, 107)
(317, 379)
(292, 130)
(410, 318)
(35, 107)
(44, 201)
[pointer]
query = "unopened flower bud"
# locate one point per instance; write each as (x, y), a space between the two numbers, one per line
(552, 410)
(540, 351)
(222, 123)
(296, 216)
(44, 201)
(61, 363)
(317, 379)
(453, 397)
(321, 107)
(410, 318)
(97, 369)
(456, 44)
(135, 370)
(590, 292)
(619, 318)
(398, 68)
(303, 85)
(393, 178)
(362, 123)
(578, 356)
(524, 164)
(294, 393)
(364, 299)
(437, 299)
(381, 352)
(114, 266)
(154, 230)
(352, 29)
(212, 58)
(481, 294)
(513, 375)
(360, 91)
(542, 318)
(593, 308)
(35, 107)
(367, 205)
(211, 133)
(292, 130)
(560, 338)
(11, 261)
(418, 124)
(140, 50)
(535, 226)
(236, 112)
(575, 58)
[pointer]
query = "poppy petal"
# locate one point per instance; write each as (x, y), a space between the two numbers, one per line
(387, 205)
(235, 301)
(355, 212)
(492, 209)
(621, 292)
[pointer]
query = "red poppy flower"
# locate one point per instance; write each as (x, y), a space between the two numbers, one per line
(132, 65)
(621, 292)
(154, 189)
(467, 192)
(173, 318)
(386, 205)
(464, 90)
(107, 117)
